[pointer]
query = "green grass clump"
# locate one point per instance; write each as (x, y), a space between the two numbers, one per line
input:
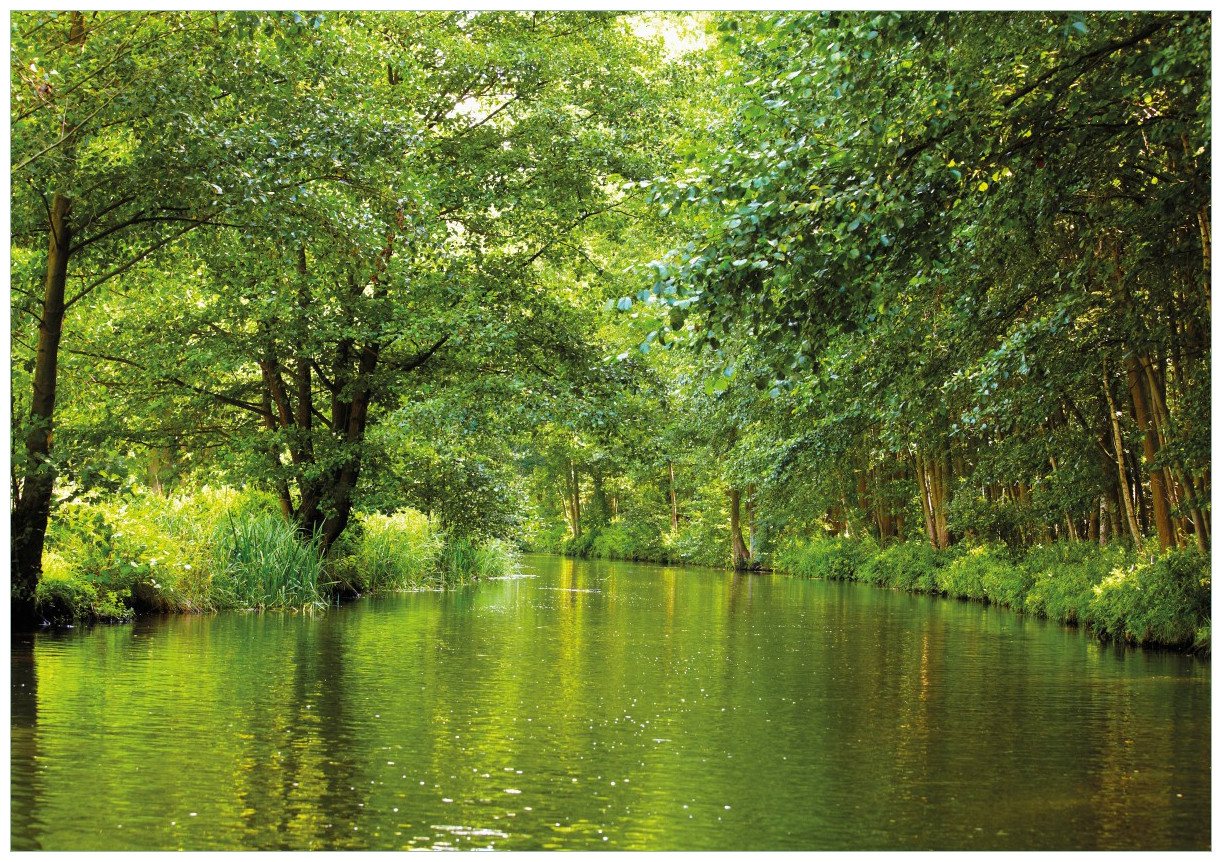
(464, 559)
(263, 563)
(981, 573)
(393, 552)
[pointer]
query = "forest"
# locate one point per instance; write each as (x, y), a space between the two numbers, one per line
(310, 306)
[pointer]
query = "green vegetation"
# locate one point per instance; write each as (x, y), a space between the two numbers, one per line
(893, 287)
(1138, 598)
(219, 548)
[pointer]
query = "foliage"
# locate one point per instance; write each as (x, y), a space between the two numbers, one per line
(908, 566)
(1164, 600)
(463, 560)
(932, 285)
(833, 559)
(1144, 599)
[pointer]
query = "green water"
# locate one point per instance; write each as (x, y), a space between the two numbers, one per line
(608, 705)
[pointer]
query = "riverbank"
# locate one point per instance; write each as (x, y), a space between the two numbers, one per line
(220, 548)
(1135, 597)
(1117, 593)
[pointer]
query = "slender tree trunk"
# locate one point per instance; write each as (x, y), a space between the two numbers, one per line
(674, 500)
(575, 499)
(1158, 491)
(597, 513)
(750, 506)
(1121, 473)
(1162, 423)
(940, 499)
(1203, 225)
(926, 500)
(33, 509)
(740, 555)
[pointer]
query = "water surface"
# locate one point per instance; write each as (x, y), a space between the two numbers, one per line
(608, 705)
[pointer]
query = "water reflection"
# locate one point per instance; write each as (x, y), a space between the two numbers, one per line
(605, 705)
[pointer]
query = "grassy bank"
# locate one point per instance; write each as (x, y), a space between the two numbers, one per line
(220, 548)
(1140, 598)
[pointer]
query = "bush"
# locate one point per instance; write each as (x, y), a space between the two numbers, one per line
(147, 552)
(1164, 600)
(63, 597)
(1064, 575)
(1151, 600)
(982, 573)
(833, 559)
(263, 562)
(905, 565)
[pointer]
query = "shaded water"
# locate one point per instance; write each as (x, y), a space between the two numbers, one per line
(608, 705)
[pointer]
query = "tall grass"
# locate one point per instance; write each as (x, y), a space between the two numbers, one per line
(263, 562)
(463, 560)
(392, 552)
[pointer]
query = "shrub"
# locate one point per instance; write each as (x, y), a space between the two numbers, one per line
(1161, 600)
(464, 559)
(1063, 577)
(64, 597)
(145, 551)
(905, 565)
(579, 546)
(833, 559)
(613, 542)
(1200, 641)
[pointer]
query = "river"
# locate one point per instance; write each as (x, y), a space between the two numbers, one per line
(608, 705)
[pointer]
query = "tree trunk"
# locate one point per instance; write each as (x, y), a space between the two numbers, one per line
(1182, 474)
(1118, 444)
(940, 499)
(33, 509)
(674, 500)
(739, 553)
(750, 506)
(1158, 490)
(575, 499)
(1206, 254)
(598, 512)
(931, 531)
